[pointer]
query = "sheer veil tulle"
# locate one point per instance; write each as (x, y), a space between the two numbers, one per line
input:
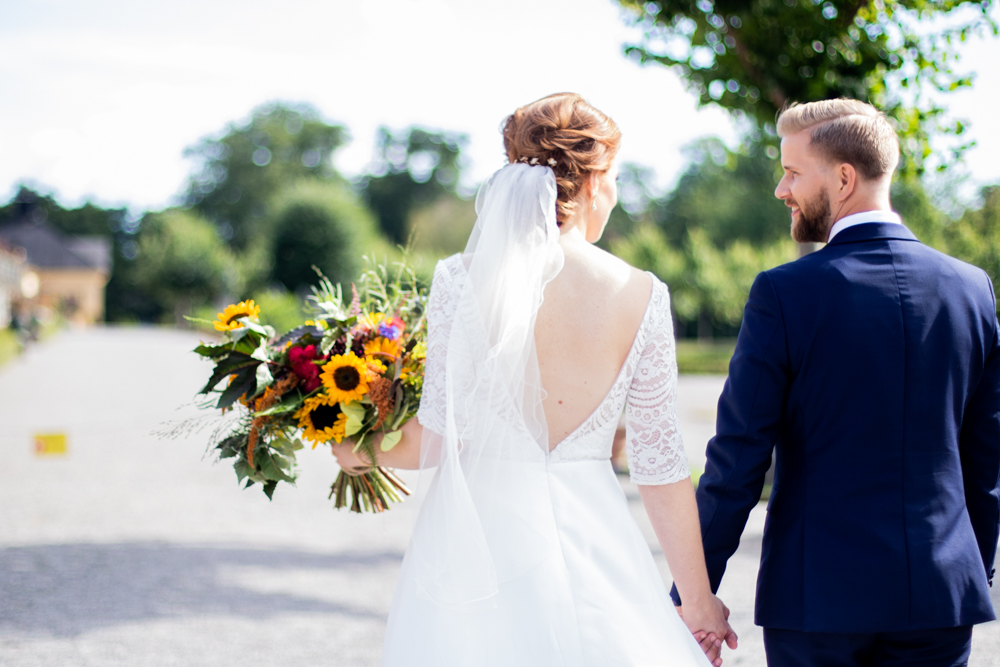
(486, 516)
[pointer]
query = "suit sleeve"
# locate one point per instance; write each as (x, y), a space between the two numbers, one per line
(747, 427)
(979, 446)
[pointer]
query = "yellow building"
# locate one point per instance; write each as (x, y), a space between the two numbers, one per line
(72, 270)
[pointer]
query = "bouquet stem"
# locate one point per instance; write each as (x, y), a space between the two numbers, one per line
(374, 489)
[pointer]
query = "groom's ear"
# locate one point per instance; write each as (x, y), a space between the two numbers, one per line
(847, 180)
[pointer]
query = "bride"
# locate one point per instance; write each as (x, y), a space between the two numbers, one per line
(524, 551)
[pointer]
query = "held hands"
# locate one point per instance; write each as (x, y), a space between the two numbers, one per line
(709, 622)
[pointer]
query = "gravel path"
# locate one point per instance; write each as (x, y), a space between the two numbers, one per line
(134, 551)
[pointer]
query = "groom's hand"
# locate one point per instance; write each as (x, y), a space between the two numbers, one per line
(708, 622)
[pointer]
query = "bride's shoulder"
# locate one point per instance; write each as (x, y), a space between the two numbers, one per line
(626, 278)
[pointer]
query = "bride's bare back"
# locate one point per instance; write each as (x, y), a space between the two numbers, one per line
(585, 329)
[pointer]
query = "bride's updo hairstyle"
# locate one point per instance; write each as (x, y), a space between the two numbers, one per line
(566, 133)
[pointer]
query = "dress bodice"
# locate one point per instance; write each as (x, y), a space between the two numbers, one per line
(645, 388)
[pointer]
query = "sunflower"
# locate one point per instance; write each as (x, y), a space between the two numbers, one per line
(345, 377)
(321, 420)
(382, 347)
(228, 319)
(370, 321)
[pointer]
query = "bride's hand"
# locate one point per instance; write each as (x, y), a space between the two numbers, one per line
(709, 624)
(347, 459)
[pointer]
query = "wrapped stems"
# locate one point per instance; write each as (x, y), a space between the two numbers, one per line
(374, 488)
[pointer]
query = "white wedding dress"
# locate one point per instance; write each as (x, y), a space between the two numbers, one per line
(573, 580)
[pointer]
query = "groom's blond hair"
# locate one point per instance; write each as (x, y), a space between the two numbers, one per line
(848, 131)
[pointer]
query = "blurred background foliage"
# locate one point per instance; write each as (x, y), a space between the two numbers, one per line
(707, 237)
(753, 57)
(265, 203)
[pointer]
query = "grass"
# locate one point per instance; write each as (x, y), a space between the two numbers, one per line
(9, 346)
(697, 357)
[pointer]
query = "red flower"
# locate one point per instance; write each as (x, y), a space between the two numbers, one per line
(301, 360)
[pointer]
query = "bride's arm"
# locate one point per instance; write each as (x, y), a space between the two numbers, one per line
(672, 511)
(658, 465)
(405, 455)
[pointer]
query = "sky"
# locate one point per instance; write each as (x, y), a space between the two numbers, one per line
(99, 98)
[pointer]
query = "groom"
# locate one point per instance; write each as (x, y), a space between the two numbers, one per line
(872, 368)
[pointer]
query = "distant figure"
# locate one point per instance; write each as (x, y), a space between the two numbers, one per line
(872, 367)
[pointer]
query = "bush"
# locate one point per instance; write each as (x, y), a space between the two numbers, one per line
(320, 224)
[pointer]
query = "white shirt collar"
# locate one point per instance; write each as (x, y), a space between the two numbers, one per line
(862, 218)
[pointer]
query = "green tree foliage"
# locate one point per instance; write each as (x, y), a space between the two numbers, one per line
(412, 168)
(238, 173)
(323, 225)
(753, 57)
(727, 194)
(184, 262)
(710, 236)
(975, 237)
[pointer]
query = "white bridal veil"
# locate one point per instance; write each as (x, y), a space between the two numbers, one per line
(486, 515)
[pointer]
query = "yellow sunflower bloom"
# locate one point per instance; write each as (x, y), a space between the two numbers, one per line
(370, 321)
(321, 420)
(382, 348)
(228, 318)
(345, 377)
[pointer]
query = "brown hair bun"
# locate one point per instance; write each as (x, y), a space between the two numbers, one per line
(565, 129)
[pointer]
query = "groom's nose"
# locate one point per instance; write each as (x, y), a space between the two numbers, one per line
(782, 191)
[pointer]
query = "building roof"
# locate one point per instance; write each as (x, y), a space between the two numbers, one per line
(47, 248)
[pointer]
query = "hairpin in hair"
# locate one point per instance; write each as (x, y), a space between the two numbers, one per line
(524, 159)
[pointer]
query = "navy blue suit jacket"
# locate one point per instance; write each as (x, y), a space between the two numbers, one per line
(872, 368)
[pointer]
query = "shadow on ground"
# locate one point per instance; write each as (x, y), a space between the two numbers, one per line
(65, 590)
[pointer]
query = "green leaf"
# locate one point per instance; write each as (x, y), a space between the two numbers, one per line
(269, 489)
(243, 383)
(213, 351)
(242, 469)
(232, 363)
(355, 412)
(390, 440)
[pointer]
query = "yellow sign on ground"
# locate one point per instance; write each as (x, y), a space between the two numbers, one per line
(50, 444)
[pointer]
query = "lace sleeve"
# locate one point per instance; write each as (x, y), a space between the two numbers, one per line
(440, 314)
(653, 441)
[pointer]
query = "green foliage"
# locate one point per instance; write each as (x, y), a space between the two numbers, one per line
(711, 236)
(754, 57)
(238, 173)
(412, 168)
(727, 194)
(280, 309)
(708, 284)
(704, 358)
(975, 237)
(324, 225)
(442, 227)
(184, 262)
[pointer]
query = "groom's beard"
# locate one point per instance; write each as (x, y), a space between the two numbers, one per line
(813, 222)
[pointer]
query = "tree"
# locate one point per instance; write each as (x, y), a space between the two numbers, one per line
(975, 237)
(184, 262)
(323, 225)
(727, 194)
(753, 57)
(412, 168)
(238, 173)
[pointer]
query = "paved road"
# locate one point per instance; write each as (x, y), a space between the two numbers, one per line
(136, 551)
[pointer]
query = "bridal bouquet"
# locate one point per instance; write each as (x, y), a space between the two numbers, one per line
(355, 370)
